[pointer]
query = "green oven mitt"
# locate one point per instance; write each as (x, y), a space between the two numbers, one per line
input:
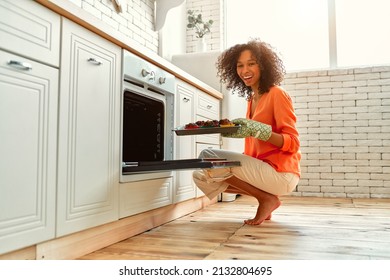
(250, 128)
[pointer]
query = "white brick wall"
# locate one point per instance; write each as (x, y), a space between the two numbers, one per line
(344, 124)
(136, 20)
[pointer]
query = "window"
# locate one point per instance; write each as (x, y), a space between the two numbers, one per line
(363, 32)
(300, 32)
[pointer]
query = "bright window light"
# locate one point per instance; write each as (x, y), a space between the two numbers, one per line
(299, 30)
(363, 32)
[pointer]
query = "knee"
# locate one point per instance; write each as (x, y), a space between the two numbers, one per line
(207, 153)
(198, 175)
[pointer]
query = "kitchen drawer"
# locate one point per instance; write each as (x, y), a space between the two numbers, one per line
(31, 30)
(207, 106)
(142, 196)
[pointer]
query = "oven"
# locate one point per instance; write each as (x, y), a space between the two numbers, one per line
(147, 121)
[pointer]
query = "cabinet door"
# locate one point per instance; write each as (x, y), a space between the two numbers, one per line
(207, 108)
(28, 137)
(185, 145)
(89, 119)
(31, 30)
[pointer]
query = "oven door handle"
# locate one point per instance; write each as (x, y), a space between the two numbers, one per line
(160, 163)
(170, 165)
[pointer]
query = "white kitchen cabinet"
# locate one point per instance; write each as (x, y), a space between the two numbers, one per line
(207, 108)
(193, 105)
(28, 129)
(31, 30)
(29, 42)
(185, 145)
(89, 119)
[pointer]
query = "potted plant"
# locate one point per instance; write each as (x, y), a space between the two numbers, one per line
(195, 21)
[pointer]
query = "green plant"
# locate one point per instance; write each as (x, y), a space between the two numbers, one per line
(195, 21)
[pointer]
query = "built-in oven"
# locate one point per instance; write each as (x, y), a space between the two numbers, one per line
(148, 118)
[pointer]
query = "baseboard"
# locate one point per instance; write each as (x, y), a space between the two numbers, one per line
(28, 253)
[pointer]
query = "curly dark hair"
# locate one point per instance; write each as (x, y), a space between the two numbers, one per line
(271, 67)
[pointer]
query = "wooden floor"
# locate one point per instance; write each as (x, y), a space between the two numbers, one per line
(302, 229)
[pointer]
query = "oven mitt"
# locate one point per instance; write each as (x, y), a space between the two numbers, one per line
(250, 128)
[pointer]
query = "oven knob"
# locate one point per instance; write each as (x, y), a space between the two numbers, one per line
(152, 76)
(162, 80)
(144, 73)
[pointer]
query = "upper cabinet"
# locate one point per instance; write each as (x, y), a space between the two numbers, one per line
(28, 123)
(89, 120)
(30, 30)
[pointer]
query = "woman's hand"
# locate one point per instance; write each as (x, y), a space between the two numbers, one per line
(250, 128)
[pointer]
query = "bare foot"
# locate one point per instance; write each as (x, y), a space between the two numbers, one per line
(264, 211)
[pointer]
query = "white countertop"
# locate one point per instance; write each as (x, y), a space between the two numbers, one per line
(83, 18)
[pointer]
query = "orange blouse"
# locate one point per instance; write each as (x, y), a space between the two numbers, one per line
(276, 109)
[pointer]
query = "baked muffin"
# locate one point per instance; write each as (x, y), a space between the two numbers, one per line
(211, 123)
(225, 123)
(191, 126)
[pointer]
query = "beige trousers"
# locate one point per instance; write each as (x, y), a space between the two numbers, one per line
(253, 171)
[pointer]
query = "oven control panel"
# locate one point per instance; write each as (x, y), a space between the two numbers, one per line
(138, 69)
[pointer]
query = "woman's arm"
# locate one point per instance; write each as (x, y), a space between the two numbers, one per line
(276, 139)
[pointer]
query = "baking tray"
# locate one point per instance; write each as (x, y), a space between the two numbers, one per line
(205, 130)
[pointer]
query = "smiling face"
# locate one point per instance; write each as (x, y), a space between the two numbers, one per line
(248, 70)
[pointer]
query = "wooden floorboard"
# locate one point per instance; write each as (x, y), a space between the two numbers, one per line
(301, 229)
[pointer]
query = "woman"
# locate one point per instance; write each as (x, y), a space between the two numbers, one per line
(270, 162)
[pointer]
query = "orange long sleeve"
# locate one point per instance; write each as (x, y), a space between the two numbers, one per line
(276, 109)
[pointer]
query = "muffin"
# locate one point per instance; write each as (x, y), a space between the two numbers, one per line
(226, 123)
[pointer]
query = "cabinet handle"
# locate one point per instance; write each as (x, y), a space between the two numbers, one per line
(20, 65)
(94, 61)
(185, 99)
(209, 106)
